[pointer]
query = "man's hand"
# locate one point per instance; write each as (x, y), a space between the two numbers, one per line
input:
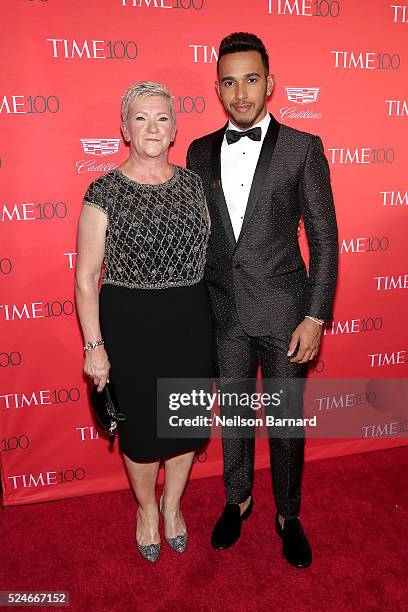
(307, 334)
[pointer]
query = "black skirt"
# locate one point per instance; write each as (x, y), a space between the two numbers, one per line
(151, 334)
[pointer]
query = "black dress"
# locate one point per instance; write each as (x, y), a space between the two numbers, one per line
(154, 307)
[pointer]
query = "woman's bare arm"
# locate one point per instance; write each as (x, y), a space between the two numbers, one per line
(91, 249)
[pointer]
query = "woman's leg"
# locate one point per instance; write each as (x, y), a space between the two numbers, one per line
(176, 472)
(143, 478)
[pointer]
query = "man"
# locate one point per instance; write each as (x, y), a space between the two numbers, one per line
(260, 177)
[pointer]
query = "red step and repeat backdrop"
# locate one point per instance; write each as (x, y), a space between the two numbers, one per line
(341, 72)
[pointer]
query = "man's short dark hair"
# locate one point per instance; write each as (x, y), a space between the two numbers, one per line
(243, 41)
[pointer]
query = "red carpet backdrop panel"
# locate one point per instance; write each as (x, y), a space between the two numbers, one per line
(341, 72)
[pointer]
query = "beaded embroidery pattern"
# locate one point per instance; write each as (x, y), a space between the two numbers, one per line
(157, 235)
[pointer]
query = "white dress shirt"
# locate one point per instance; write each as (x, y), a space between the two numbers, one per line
(238, 163)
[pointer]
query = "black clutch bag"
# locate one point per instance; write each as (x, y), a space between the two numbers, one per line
(105, 410)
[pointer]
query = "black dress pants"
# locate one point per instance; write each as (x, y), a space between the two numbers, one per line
(238, 357)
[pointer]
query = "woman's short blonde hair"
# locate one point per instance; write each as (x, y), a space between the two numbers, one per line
(146, 89)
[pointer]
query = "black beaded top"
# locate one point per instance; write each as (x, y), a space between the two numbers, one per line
(157, 234)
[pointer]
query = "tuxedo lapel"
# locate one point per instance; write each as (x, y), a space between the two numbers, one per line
(216, 185)
(264, 159)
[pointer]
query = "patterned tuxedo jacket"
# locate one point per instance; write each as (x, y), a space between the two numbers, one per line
(262, 275)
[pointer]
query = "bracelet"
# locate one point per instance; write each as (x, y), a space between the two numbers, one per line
(89, 346)
(319, 321)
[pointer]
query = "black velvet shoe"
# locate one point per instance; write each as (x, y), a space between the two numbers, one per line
(296, 548)
(228, 528)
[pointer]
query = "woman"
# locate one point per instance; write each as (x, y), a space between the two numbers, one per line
(148, 220)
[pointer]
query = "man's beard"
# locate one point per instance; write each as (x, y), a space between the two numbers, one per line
(246, 122)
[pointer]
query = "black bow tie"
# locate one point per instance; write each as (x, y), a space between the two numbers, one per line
(234, 135)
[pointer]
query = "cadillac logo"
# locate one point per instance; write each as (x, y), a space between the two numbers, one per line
(100, 146)
(302, 95)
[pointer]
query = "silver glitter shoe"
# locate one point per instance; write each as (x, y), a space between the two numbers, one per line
(150, 552)
(178, 542)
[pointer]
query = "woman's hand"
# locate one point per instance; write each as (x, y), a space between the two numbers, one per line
(97, 366)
